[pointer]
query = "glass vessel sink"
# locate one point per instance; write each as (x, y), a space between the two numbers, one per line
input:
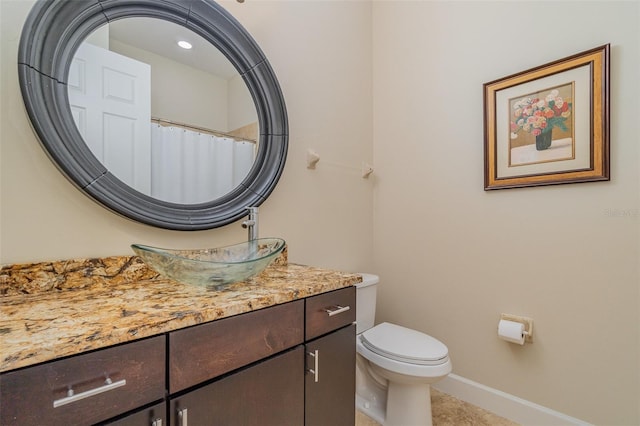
(214, 267)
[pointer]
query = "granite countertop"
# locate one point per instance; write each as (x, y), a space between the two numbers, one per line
(76, 308)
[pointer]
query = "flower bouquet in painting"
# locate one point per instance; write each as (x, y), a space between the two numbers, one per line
(539, 114)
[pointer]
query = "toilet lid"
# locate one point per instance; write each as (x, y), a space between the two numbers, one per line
(404, 344)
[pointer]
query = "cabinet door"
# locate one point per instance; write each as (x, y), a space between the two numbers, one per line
(152, 416)
(330, 382)
(269, 393)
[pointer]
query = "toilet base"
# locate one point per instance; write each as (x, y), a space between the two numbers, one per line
(408, 404)
(371, 393)
(372, 410)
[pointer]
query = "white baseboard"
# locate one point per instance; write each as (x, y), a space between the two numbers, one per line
(503, 404)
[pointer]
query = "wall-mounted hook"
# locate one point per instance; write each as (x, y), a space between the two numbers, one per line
(312, 159)
(367, 169)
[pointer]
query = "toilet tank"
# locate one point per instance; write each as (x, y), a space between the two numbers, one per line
(366, 302)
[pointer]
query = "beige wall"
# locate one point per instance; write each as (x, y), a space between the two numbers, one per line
(325, 215)
(452, 257)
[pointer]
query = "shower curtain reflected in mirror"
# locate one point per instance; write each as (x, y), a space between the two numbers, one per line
(189, 167)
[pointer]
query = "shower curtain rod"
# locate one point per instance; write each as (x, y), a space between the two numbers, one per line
(201, 129)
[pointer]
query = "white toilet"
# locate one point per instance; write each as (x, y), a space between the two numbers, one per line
(395, 365)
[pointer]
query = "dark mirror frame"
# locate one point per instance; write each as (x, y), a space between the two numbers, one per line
(51, 35)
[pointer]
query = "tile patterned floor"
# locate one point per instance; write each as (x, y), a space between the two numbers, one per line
(449, 411)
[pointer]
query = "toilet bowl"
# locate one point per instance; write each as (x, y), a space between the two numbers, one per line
(395, 365)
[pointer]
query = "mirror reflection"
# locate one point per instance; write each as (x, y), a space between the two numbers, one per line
(177, 124)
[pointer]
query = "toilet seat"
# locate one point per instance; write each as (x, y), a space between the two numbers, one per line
(404, 345)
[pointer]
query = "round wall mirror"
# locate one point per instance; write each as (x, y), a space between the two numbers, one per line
(177, 138)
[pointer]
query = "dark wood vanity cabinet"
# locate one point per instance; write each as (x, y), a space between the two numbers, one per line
(311, 383)
(289, 364)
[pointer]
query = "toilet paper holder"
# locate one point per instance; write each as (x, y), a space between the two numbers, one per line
(528, 325)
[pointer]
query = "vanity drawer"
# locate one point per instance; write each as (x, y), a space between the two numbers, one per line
(39, 395)
(209, 350)
(329, 311)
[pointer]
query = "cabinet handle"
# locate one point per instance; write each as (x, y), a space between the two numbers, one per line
(316, 359)
(183, 418)
(156, 422)
(72, 397)
(339, 309)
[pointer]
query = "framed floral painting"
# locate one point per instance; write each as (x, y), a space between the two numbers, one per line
(550, 124)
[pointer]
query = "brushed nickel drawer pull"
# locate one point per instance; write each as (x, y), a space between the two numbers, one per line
(339, 309)
(156, 422)
(73, 397)
(314, 370)
(183, 417)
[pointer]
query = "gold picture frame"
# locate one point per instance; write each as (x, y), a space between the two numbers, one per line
(550, 124)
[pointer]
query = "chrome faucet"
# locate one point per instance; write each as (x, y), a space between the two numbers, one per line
(251, 223)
